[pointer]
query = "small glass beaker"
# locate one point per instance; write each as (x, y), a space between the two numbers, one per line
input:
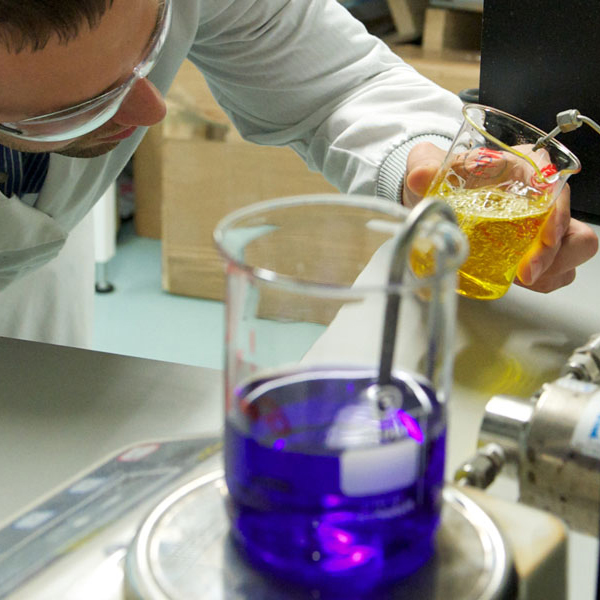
(334, 463)
(502, 188)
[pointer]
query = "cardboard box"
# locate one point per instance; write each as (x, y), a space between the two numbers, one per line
(192, 113)
(194, 168)
(454, 70)
(408, 17)
(204, 180)
(452, 29)
(148, 184)
(191, 171)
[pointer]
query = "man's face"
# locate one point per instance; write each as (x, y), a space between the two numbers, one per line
(61, 76)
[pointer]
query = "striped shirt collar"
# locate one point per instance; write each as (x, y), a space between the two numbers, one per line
(22, 172)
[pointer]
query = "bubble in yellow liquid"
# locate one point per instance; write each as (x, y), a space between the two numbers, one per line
(500, 226)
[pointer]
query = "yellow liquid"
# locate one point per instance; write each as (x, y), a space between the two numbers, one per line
(500, 227)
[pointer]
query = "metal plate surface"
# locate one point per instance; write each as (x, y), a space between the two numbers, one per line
(183, 552)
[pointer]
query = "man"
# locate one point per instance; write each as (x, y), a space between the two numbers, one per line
(82, 79)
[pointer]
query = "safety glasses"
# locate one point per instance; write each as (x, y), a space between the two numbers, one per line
(85, 117)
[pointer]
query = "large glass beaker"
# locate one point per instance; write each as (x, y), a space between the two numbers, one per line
(338, 373)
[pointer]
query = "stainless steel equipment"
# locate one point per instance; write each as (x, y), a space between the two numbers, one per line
(550, 442)
(149, 523)
(183, 551)
(59, 426)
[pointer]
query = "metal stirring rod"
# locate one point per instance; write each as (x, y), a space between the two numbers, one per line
(400, 257)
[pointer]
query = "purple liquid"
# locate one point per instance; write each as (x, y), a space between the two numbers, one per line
(300, 508)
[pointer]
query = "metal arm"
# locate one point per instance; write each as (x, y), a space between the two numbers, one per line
(566, 121)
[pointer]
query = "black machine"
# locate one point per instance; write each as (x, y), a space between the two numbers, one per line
(539, 58)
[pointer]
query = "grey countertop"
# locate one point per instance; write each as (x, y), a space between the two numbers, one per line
(64, 409)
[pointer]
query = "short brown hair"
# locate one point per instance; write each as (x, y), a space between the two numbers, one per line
(30, 24)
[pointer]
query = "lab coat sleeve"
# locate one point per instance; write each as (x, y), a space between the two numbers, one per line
(305, 73)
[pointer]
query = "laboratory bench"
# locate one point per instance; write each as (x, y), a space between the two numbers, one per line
(63, 410)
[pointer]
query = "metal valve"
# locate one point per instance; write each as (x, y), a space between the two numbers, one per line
(568, 120)
(483, 468)
(584, 363)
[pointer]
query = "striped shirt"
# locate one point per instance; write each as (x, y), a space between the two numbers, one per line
(22, 172)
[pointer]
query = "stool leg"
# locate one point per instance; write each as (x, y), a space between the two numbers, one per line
(103, 286)
(105, 232)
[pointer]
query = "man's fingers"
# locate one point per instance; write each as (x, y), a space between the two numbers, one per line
(559, 221)
(422, 164)
(546, 268)
(547, 283)
(543, 253)
(417, 183)
(535, 263)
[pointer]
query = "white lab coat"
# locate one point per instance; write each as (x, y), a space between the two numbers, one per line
(302, 73)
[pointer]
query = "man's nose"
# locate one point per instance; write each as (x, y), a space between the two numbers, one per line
(144, 106)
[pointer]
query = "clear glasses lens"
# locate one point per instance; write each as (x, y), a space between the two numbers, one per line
(72, 123)
(86, 117)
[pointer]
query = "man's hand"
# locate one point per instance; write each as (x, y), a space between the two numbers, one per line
(564, 243)
(422, 164)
